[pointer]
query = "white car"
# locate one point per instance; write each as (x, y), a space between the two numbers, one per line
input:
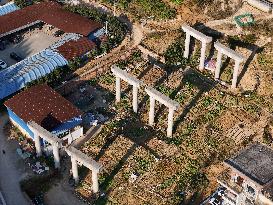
(214, 201)
(3, 65)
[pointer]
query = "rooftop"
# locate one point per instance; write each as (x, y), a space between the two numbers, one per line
(42, 105)
(255, 162)
(76, 48)
(51, 13)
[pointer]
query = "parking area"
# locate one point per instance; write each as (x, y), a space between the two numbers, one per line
(3, 2)
(32, 42)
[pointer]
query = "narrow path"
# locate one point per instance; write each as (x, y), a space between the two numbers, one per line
(11, 169)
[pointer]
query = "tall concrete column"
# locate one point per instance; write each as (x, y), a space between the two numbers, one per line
(56, 156)
(235, 74)
(117, 89)
(218, 65)
(95, 181)
(152, 111)
(203, 56)
(187, 45)
(135, 103)
(75, 170)
(37, 145)
(170, 122)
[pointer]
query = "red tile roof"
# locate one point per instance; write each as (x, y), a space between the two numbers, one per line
(73, 49)
(51, 13)
(43, 105)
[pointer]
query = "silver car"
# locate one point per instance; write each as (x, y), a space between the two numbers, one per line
(3, 65)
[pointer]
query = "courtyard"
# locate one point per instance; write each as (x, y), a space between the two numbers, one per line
(33, 42)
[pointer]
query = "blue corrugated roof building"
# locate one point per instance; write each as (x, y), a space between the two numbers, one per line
(17, 76)
(8, 8)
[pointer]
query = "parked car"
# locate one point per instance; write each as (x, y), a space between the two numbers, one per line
(2, 45)
(3, 65)
(15, 56)
(214, 201)
(58, 33)
(16, 39)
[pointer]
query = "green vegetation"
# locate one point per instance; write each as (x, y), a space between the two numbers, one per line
(174, 54)
(146, 8)
(116, 29)
(203, 2)
(106, 79)
(265, 61)
(242, 40)
(135, 57)
(57, 76)
(177, 1)
(267, 136)
(24, 3)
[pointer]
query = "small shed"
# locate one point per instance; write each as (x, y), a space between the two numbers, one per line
(44, 106)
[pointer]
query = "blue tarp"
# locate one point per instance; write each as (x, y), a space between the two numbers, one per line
(8, 8)
(96, 34)
(67, 125)
(17, 76)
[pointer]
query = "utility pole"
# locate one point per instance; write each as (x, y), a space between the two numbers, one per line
(106, 27)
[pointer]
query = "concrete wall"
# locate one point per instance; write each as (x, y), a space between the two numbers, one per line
(260, 5)
(73, 135)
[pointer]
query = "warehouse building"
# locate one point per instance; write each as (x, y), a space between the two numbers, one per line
(73, 43)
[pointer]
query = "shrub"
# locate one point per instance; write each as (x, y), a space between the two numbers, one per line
(23, 3)
(267, 137)
(116, 29)
(156, 8)
(56, 77)
(174, 53)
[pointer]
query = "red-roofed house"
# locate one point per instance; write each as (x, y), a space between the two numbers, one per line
(77, 48)
(48, 12)
(46, 107)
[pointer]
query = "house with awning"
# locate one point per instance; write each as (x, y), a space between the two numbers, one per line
(48, 109)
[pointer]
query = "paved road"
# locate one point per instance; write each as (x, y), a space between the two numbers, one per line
(11, 169)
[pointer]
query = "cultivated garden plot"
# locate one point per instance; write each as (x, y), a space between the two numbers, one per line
(142, 165)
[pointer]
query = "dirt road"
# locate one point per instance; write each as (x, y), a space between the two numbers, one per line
(11, 169)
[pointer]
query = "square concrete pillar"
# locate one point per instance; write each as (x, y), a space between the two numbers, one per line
(235, 74)
(187, 45)
(118, 89)
(203, 56)
(37, 145)
(56, 156)
(95, 181)
(218, 65)
(170, 122)
(135, 101)
(152, 111)
(75, 170)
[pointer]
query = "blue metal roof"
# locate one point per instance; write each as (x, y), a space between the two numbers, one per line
(17, 76)
(67, 125)
(97, 34)
(8, 8)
